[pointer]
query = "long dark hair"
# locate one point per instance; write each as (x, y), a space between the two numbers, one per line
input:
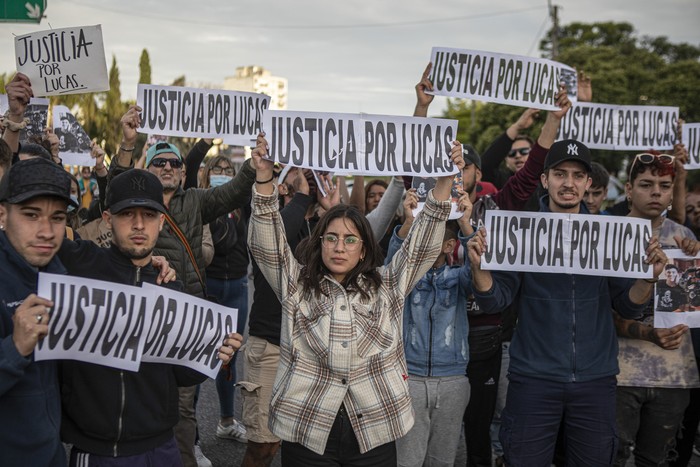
(310, 255)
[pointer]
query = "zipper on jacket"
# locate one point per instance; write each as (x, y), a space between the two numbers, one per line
(120, 423)
(573, 340)
(138, 275)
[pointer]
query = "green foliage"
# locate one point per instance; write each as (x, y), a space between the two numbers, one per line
(145, 68)
(624, 69)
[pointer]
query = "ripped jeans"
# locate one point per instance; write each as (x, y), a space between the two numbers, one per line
(648, 420)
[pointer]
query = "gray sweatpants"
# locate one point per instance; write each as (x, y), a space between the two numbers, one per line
(439, 403)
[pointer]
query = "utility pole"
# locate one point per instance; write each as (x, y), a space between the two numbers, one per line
(554, 15)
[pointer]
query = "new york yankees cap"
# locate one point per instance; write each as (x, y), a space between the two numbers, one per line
(568, 150)
(135, 188)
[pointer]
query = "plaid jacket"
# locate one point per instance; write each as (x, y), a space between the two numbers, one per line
(339, 348)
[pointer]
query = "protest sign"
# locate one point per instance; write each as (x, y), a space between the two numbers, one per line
(620, 127)
(567, 243)
(93, 321)
(502, 78)
(690, 136)
(36, 114)
(74, 142)
(186, 330)
(677, 292)
(120, 325)
(63, 61)
(233, 116)
(361, 143)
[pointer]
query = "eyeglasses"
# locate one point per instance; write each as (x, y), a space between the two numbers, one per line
(521, 151)
(160, 162)
(218, 170)
(331, 240)
(646, 159)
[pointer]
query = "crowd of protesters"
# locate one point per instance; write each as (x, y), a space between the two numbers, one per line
(374, 335)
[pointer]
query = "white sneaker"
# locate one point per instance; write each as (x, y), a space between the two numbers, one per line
(202, 460)
(235, 431)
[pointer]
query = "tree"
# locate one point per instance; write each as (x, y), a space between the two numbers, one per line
(145, 68)
(113, 110)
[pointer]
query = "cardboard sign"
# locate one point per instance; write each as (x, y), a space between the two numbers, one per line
(63, 61)
(501, 78)
(690, 136)
(360, 143)
(74, 142)
(677, 293)
(234, 116)
(567, 243)
(620, 127)
(120, 325)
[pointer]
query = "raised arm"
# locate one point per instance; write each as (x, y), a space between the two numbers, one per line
(19, 91)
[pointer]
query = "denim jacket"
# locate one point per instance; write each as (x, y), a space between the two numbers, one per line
(435, 325)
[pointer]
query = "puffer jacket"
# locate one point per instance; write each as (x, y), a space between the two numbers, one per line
(191, 210)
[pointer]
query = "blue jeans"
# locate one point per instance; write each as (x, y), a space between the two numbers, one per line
(232, 293)
(534, 410)
(649, 419)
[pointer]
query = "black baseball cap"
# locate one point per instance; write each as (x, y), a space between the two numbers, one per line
(471, 156)
(568, 150)
(30, 178)
(135, 188)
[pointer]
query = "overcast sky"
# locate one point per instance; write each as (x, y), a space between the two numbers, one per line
(339, 56)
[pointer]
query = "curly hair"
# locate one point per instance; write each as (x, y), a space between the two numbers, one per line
(314, 269)
(656, 167)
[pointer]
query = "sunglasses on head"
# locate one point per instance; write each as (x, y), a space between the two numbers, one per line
(646, 159)
(521, 151)
(161, 161)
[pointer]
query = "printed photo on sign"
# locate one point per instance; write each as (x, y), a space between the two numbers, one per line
(677, 292)
(424, 185)
(348, 144)
(501, 78)
(234, 116)
(63, 61)
(74, 142)
(37, 113)
(567, 243)
(620, 127)
(690, 137)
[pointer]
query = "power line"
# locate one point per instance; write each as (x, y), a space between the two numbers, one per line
(159, 17)
(538, 35)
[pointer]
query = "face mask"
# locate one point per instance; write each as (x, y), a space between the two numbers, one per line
(71, 208)
(218, 180)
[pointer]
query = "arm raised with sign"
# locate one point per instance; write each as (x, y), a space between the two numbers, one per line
(19, 91)
(643, 289)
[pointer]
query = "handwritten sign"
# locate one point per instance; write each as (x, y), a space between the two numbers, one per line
(234, 116)
(620, 127)
(63, 61)
(361, 143)
(120, 326)
(567, 243)
(501, 78)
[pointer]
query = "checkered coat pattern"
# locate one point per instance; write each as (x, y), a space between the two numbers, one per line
(338, 348)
